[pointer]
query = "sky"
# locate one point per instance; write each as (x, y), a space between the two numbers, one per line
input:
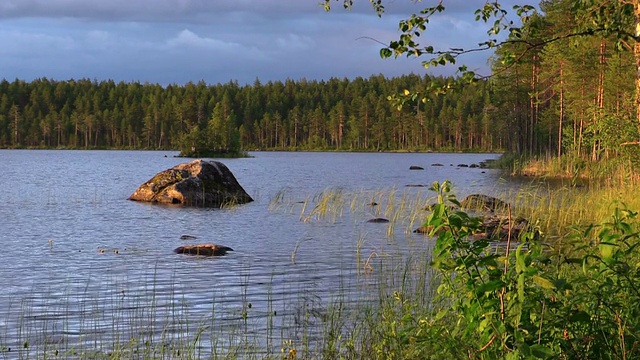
(217, 41)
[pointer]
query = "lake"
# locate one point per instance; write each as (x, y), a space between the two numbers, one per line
(83, 267)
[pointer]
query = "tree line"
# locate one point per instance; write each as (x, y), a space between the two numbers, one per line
(338, 114)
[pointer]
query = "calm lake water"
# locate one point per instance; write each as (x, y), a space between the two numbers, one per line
(83, 265)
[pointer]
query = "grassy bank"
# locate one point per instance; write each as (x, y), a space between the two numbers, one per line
(574, 170)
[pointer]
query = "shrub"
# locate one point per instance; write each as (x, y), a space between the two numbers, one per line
(526, 299)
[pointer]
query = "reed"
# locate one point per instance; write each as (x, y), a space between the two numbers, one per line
(389, 310)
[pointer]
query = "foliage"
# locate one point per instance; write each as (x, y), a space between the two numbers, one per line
(558, 69)
(526, 299)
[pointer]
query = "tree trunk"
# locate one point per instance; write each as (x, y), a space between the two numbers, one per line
(561, 110)
(534, 104)
(636, 54)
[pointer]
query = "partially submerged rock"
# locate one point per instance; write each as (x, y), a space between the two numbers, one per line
(203, 249)
(492, 226)
(415, 167)
(197, 183)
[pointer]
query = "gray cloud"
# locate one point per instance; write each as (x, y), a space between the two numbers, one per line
(150, 10)
(175, 41)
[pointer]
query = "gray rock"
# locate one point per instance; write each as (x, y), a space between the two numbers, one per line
(197, 183)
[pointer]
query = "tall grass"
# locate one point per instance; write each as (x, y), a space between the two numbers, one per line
(150, 323)
(556, 209)
(388, 311)
(575, 170)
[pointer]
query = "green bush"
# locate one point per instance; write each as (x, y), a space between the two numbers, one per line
(526, 299)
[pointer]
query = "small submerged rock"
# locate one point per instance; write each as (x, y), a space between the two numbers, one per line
(203, 249)
(188, 237)
(378, 220)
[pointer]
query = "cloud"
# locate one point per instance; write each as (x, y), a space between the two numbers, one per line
(295, 42)
(189, 39)
(191, 11)
(17, 43)
(175, 41)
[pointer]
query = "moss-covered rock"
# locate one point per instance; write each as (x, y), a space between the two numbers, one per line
(481, 202)
(197, 183)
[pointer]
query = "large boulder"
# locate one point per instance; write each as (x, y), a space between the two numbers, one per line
(197, 183)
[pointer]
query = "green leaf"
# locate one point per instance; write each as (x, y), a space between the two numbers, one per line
(514, 355)
(562, 284)
(607, 250)
(521, 278)
(541, 351)
(580, 316)
(543, 283)
(489, 287)
(520, 263)
(385, 53)
(441, 313)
